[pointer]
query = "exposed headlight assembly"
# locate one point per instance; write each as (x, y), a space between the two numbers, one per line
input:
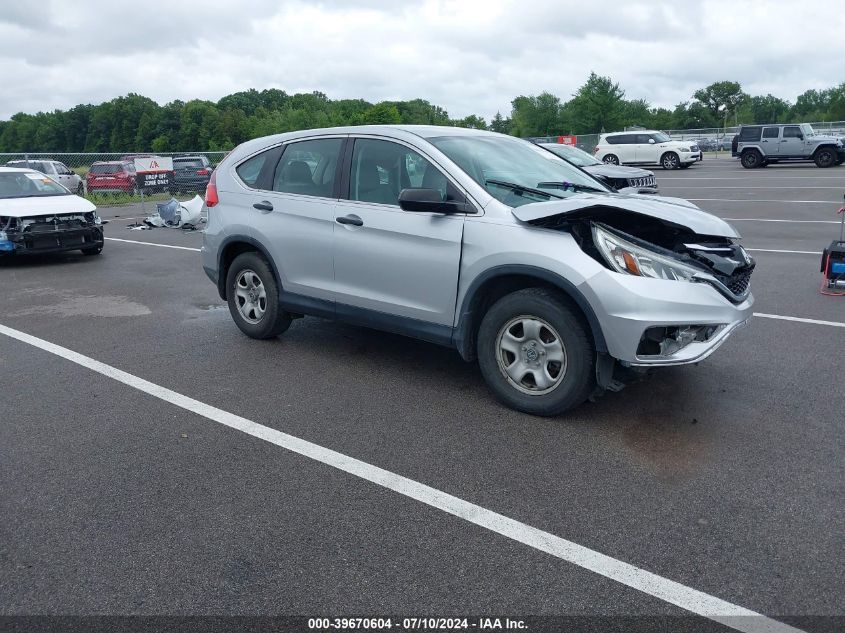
(626, 257)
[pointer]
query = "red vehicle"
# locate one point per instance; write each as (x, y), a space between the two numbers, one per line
(111, 176)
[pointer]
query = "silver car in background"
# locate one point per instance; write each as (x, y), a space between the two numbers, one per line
(477, 241)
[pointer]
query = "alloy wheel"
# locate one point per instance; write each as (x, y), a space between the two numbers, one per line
(250, 296)
(531, 355)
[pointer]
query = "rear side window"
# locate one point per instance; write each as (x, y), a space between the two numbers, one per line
(250, 169)
(747, 134)
(770, 132)
(308, 168)
(792, 131)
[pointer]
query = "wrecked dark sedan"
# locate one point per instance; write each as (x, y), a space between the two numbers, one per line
(38, 215)
(486, 243)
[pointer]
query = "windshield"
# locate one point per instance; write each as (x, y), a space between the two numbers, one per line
(513, 161)
(808, 129)
(661, 137)
(28, 184)
(574, 155)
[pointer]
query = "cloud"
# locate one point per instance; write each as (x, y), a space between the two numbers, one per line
(468, 56)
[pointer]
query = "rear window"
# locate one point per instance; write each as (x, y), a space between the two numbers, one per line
(106, 169)
(187, 163)
(750, 134)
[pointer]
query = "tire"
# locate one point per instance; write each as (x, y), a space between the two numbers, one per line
(685, 165)
(670, 160)
(751, 159)
(90, 252)
(611, 159)
(825, 157)
(80, 190)
(249, 276)
(539, 377)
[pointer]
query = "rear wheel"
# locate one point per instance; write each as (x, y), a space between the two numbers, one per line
(535, 353)
(670, 160)
(611, 159)
(95, 250)
(825, 157)
(253, 297)
(751, 159)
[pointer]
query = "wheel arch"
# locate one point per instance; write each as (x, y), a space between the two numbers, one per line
(233, 246)
(499, 281)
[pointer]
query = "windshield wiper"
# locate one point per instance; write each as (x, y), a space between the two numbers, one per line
(574, 186)
(520, 189)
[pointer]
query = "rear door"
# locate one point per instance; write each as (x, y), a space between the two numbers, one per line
(292, 214)
(792, 141)
(771, 141)
(627, 148)
(399, 263)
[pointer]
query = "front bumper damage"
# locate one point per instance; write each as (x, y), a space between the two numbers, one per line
(50, 234)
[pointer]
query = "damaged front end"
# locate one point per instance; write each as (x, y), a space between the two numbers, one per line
(50, 233)
(650, 323)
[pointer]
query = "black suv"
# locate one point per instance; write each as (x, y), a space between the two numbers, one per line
(191, 173)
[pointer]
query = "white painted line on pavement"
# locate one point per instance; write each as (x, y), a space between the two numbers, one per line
(770, 220)
(692, 600)
(799, 319)
(181, 248)
(774, 250)
(830, 202)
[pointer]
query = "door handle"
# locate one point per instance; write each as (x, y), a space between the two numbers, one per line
(354, 220)
(264, 205)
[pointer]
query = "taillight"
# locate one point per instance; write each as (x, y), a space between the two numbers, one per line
(211, 198)
(202, 172)
(595, 151)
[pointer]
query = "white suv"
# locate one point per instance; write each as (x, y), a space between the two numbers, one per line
(646, 147)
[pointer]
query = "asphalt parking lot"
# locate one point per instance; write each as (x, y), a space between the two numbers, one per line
(725, 477)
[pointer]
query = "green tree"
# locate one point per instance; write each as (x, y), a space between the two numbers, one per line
(384, 112)
(500, 124)
(598, 105)
(720, 97)
(536, 116)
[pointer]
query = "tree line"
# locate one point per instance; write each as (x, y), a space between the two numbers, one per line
(137, 123)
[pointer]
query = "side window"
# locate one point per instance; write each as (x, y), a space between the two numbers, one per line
(642, 139)
(308, 168)
(770, 132)
(792, 131)
(250, 169)
(614, 140)
(750, 134)
(381, 170)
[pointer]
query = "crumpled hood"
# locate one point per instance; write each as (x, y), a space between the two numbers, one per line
(43, 206)
(670, 210)
(617, 171)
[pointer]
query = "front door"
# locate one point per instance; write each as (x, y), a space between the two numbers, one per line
(792, 141)
(647, 149)
(399, 263)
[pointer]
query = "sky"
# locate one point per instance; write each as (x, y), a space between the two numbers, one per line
(467, 56)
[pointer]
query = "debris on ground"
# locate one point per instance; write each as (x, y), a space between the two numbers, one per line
(173, 215)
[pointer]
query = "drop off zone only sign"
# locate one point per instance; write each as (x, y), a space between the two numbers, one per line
(154, 172)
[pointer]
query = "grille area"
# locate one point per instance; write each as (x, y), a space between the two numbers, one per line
(646, 181)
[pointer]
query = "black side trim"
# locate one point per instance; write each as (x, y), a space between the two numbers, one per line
(463, 338)
(414, 328)
(240, 239)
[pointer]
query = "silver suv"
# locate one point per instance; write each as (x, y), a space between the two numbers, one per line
(760, 145)
(477, 241)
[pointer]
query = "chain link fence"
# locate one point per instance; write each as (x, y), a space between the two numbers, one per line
(74, 171)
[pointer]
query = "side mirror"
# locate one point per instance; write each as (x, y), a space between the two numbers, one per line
(430, 201)
(651, 141)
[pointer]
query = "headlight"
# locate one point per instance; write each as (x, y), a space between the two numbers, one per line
(625, 257)
(683, 149)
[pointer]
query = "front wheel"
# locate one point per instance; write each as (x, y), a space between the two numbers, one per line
(95, 250)
(670, 160)
(80, 190)
(253, 297)
(825, 157)
(535, 353)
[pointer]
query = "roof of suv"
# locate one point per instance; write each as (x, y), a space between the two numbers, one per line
(632, 132)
